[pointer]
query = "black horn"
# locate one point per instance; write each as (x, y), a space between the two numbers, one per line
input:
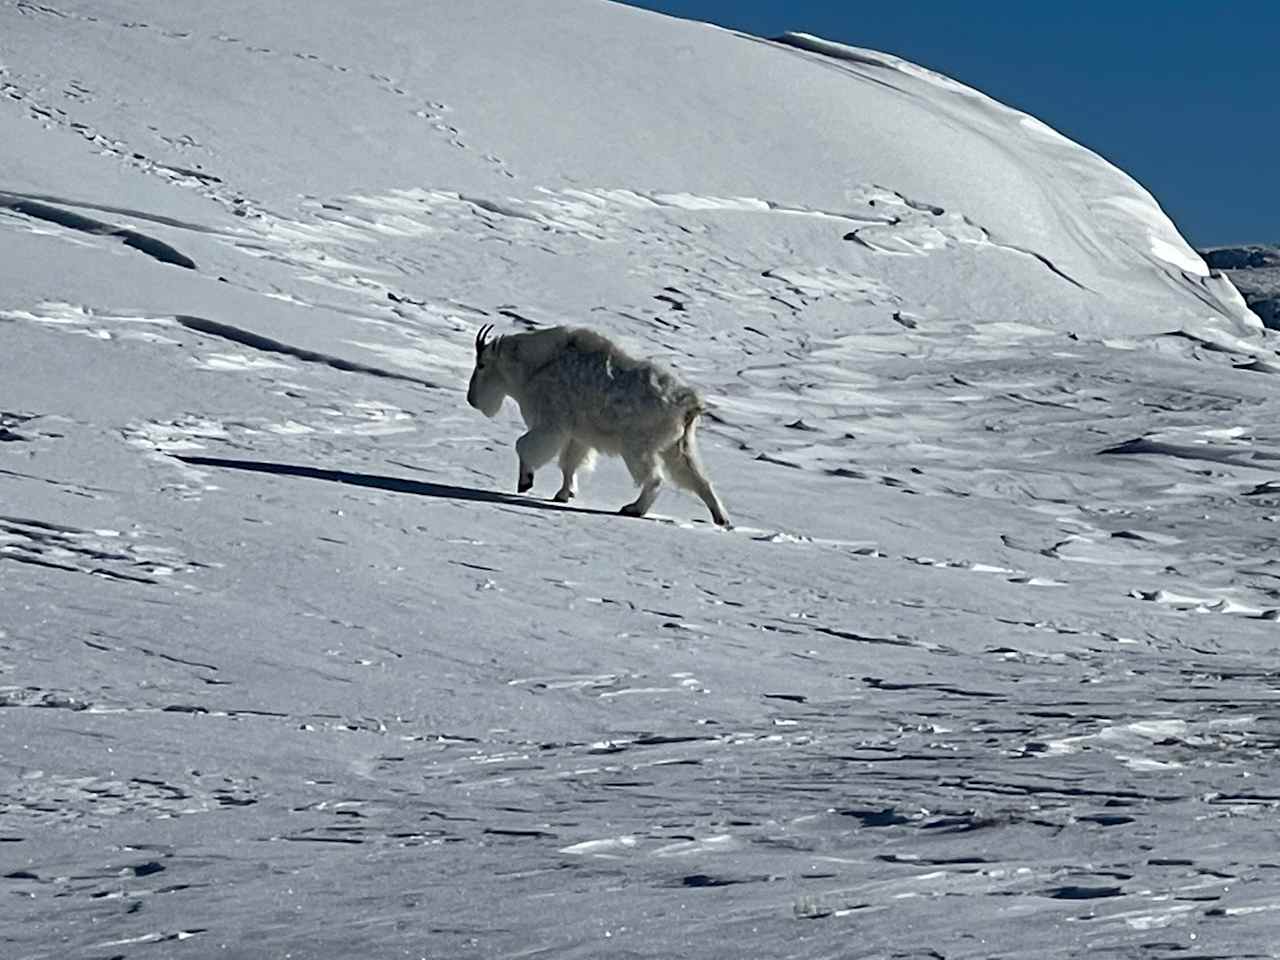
(482, 338)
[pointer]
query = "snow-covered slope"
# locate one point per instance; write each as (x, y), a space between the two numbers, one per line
(987, 667)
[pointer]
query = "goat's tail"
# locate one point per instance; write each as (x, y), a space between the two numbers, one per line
(691, 415)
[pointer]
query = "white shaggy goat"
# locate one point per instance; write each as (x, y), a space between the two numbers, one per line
(579, 392)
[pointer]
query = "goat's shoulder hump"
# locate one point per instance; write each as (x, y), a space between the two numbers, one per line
(586, 340)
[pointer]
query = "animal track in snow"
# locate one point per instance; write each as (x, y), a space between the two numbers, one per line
(205, 183)
(432, 109)
(28, 8)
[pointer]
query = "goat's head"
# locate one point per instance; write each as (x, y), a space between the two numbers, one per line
(488, 386)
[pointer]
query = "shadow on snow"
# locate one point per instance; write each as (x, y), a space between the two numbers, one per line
(419, 488)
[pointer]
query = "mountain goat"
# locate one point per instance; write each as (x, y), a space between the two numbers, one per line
(579, 392)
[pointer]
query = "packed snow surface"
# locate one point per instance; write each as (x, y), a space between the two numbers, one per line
(987, 667)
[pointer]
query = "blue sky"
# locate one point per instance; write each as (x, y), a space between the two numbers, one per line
(1185, 97)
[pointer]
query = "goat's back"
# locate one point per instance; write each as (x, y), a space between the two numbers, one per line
(581, 376)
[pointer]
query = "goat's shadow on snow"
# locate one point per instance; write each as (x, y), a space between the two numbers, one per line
(419, 488)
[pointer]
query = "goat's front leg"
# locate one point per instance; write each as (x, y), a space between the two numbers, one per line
(534, 449)
(644, 470)
(572, 457)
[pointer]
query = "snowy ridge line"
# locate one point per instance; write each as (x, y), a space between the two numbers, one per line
(257, 341)
(156, 249)
(1119, 204)
(873, 58)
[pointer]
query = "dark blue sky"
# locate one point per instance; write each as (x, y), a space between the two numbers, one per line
(1183, 96)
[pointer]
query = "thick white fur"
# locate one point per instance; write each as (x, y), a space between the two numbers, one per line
(579, 392)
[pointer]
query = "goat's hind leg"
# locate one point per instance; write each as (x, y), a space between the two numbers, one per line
(681, 462)
(534, 449)
(573, 456)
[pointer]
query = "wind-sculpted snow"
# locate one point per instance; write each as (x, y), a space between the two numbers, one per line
(73, 221)
(986, 668)
(1108, 198)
